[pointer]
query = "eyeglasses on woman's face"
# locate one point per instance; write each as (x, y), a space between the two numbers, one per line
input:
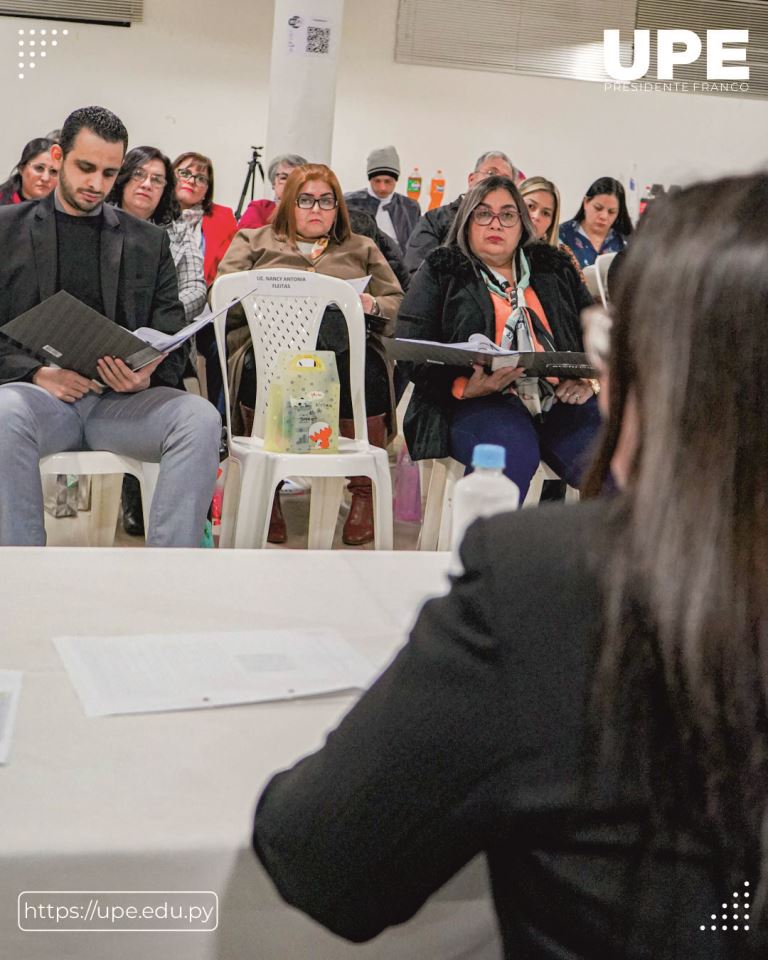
(199, 179)
(305, 201)
(483, 216)
(139, 175)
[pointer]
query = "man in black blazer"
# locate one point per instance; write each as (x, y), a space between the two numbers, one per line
(122, 267)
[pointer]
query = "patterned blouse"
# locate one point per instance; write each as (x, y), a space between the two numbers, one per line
(188, 258)
(572, 234)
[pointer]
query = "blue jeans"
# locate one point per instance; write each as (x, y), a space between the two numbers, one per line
(563, 440)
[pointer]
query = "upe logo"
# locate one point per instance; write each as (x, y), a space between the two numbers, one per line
(677, 47)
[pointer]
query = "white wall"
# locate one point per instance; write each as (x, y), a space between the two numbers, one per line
(194, 75)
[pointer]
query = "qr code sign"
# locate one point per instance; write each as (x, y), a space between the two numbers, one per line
(318, 39)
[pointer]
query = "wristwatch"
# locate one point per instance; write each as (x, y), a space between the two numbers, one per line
(375, 308)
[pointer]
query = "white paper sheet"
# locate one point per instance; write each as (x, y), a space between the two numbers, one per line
(10, 690)
(359, 284)
(154, 673)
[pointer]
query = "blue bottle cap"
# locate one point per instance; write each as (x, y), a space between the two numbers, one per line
(490, 456)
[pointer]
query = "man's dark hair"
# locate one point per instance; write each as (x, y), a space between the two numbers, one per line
(98, 120)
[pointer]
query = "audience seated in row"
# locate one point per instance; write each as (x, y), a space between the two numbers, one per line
(179, 197)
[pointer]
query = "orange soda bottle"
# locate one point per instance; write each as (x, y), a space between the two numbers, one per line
(436, 190)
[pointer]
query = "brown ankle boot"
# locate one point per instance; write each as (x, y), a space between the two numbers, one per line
(358, 528)
(246, 416)
(278, 532)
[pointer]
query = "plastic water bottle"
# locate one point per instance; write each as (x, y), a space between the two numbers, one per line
(413, 187)
(407, 488)
(481, 494)
(436, 190)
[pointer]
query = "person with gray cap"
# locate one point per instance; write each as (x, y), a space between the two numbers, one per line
(396, 215)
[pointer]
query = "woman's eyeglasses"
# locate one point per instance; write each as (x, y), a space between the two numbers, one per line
(199, 179)
(305, 201)
(484, 217)
(139, 176)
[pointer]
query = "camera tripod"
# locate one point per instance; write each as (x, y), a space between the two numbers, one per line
(254, 164)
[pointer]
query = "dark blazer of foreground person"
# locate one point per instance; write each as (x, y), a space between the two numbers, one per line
(448, 301)
(138, 279)
(587, 706)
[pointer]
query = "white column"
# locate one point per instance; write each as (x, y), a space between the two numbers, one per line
(302, 78)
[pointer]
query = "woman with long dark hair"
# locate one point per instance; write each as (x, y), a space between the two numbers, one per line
(588, 705)
(34, 176)
(602, 224)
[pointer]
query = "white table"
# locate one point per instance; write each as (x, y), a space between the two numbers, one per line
(165, 801)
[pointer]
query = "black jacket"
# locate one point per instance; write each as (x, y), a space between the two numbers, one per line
(403, 212)
(430, 232)
(365, 224)
(138, 279)
(448, 302)
(475, 740)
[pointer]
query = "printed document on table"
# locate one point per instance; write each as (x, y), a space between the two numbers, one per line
(154, 673)
(10, 690)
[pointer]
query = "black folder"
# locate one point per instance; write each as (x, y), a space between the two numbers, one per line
(64, 331)
(561, 363)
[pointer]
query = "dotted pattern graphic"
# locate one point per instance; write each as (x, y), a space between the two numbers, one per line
(34, 45)
(733, 918)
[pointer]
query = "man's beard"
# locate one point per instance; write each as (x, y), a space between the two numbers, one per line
(70, 197)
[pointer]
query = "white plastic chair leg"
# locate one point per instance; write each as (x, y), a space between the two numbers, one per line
(148, 482)
(229, 504)
(256, 494)
(433, 505)
(382, 506)
(105, 506)
(324, 504)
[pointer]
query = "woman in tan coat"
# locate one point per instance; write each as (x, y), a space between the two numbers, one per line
(310, 231)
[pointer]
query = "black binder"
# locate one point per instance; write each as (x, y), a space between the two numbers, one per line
(66, 332)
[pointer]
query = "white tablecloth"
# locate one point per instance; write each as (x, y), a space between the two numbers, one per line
(165, 801)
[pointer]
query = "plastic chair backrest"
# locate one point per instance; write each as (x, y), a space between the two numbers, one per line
(284, 309)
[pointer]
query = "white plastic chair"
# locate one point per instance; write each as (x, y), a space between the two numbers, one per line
(438, 509)
(284, 313)
(602, 265)
(107, 469)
